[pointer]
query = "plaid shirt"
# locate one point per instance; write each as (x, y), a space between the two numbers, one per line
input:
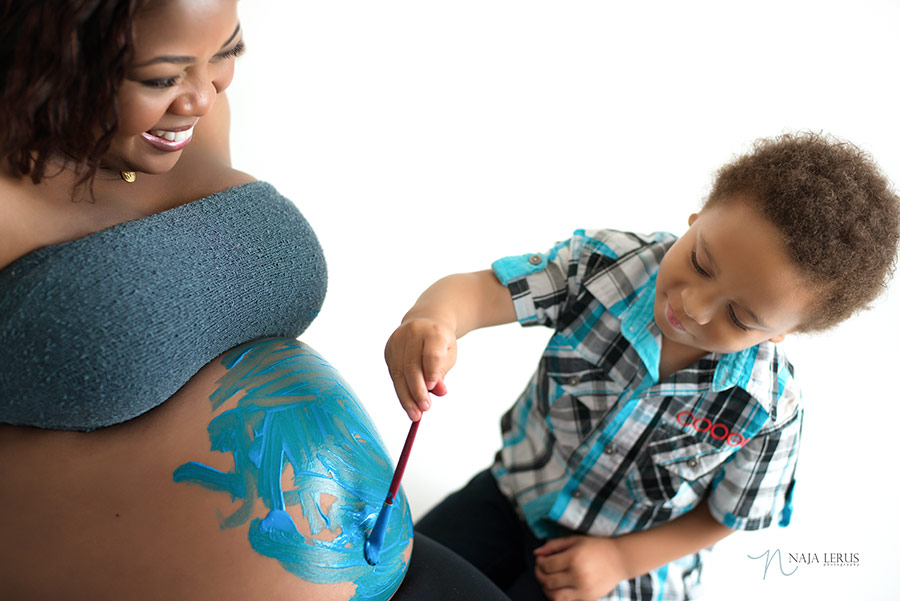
(597, 445)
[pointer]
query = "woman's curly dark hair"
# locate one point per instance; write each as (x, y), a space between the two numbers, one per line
(839, 217)
(61, 65)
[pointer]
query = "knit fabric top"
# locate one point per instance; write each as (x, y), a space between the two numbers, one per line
(99, 330)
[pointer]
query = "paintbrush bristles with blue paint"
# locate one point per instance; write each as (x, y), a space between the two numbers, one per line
(376, 537)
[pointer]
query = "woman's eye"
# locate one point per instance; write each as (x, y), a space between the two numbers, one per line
(696, 265)
(735, 320)
(168, 82)
(235, 52)
(161, 83)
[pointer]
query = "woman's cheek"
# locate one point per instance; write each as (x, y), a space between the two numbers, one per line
(138, 112)
(222, 81)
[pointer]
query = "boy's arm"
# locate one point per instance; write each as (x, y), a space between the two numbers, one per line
(586, 567)
(423, 349)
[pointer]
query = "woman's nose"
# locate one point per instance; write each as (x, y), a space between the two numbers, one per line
(197, 100)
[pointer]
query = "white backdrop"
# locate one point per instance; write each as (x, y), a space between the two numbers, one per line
(422, 138)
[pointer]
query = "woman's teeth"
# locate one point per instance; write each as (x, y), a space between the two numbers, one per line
(173, 136)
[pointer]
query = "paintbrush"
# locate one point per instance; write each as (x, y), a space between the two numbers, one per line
(376, 537)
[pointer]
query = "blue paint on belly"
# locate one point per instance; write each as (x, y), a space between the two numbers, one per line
(295, 409)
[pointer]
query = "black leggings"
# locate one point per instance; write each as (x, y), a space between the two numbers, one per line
(481, 525)
(438, 574)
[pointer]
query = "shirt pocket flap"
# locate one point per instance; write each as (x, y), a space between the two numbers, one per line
(685, 456)
(586, 384)
(577, 402)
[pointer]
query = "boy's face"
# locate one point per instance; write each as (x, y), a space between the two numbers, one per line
(728, 283)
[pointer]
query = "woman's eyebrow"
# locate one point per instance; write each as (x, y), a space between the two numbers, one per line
(233, 35)
(175, 59)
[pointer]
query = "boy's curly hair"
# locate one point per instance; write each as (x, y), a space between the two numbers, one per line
(838, 215)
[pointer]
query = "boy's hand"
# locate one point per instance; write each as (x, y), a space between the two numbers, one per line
(419, 354)
(423, 349)
(579, 568)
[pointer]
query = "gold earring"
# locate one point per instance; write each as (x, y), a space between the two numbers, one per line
(128, 176)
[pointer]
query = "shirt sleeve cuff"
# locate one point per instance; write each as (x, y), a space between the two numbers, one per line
(508, 269)
(736, 522)
(512, 273)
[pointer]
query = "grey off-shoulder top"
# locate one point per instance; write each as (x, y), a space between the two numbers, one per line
(99, 330)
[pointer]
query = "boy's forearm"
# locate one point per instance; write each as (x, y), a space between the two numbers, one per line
(647, 550)
(465, 302)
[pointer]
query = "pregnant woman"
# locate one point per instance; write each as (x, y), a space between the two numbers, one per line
(163, 435)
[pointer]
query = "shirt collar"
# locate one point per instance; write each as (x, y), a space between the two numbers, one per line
(640, 329)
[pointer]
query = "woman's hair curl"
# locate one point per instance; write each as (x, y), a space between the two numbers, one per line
(61, 65)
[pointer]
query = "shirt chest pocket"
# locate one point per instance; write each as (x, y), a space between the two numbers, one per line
(676, 467)
(578, 401)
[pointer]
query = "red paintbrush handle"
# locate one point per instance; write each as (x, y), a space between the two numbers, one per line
(401, 464)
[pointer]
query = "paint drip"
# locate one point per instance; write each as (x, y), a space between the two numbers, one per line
(296, 411)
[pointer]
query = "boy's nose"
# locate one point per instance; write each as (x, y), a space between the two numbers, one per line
(698, 305)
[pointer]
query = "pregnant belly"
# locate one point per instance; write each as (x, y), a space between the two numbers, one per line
(259, 479)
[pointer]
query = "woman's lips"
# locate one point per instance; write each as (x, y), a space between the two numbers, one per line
(673, 321)
(168, 140)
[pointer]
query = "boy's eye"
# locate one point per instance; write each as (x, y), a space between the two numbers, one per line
(735, 320)
(696, 265)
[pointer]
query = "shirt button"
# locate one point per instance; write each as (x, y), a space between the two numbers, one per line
(577, 494)
(692, 462)
(573, 380)
(610, 450)
(535, 259)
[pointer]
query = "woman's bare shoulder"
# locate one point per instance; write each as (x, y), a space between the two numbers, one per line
(17, 222)
(37, 215)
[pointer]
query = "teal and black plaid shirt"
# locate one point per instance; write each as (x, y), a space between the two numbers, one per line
(597, 445)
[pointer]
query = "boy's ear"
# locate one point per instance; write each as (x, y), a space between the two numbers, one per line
(692, 219)
(781, 337)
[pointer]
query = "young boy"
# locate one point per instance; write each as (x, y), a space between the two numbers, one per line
(663, 414)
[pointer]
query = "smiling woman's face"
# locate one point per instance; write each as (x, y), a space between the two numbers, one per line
(183, 58)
